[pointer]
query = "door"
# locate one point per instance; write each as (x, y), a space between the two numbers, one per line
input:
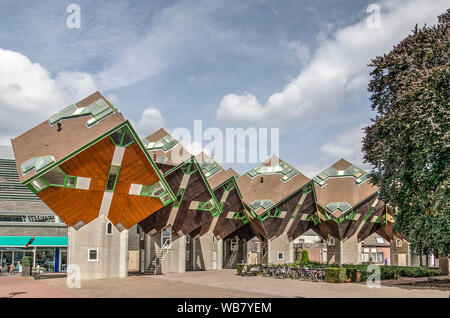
(401, 259)
(63, 260)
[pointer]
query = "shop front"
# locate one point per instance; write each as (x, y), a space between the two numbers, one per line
(47, 252)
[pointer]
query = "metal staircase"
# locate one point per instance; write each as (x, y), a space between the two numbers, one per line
(263, 252)
(231, 259)
(155, 265)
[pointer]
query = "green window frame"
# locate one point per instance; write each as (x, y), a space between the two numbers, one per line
(263, 216)
(297, 210)
(189, 168)
(108, 186)
(368, 213)
(164, 196)
(307, 189)
(241, 215)
(179, 197)
(124, 131)
(229, 186)
(70, 181)
(33, 187)
(209, 206)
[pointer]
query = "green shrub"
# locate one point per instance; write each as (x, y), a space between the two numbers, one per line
(389, 272)
(26, 261)
(335, 274)
(392, 272)
(305, 257)
(239, 268)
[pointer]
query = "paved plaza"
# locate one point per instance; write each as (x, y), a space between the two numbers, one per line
(212, 284)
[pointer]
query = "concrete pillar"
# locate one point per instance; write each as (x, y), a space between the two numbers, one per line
(123, 254)
(220, 254)
(341, 253)
(291, 252)
(244, 251)
(269, 252)
(112, 250)
(147, 250)
(182, 254)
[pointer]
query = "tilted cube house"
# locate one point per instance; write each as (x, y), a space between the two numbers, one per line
(86, 163)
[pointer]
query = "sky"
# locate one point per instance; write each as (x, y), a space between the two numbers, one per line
(300, 66)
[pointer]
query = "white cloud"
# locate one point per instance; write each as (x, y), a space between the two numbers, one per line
(150, 121)
(311, 170)
(185, 31)
(245, 107)
(29, 94)
(112, 98)
(338, 66)
(195, 148)
(297, 51)
(345, 145)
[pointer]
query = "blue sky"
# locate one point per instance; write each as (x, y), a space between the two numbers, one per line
(297, 65)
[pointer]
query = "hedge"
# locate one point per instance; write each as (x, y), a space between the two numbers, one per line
(392, 272)
(386, 272)
(335, 274)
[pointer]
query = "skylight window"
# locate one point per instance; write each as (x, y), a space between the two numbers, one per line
(283, 168)
(210, 167)
(165, 143)
(380, 240)
(38, 163)
(163, 159)
(342, 206)
(261, 203)
(99, 110)
(352, 171)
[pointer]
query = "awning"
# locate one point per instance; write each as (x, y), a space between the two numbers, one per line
(21, 241)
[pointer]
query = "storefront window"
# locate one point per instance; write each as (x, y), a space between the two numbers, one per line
(45, 258)
(6, 258)
(63, 260)
(18, 257)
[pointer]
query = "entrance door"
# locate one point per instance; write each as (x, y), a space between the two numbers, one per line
(63, 260)
(401, 259)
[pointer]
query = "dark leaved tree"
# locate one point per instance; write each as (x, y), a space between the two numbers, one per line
(408, 143)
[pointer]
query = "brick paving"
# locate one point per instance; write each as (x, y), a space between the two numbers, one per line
(27, 287)
(208, 284)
